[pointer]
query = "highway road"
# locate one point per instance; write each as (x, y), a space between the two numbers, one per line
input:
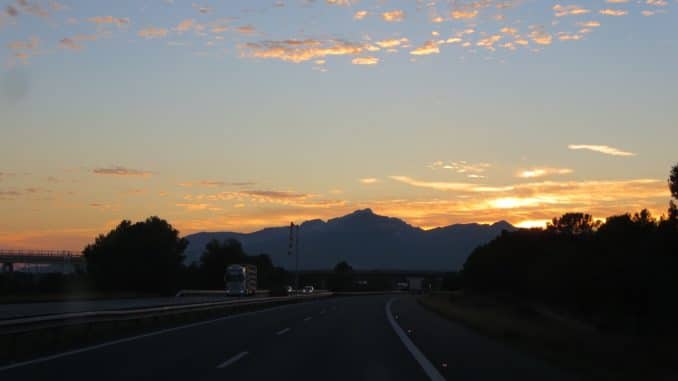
(19, 310)
(379, 337)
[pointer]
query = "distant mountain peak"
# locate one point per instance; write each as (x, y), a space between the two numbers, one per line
(505, 225)
(366, 211)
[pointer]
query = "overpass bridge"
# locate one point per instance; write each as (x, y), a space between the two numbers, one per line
(67, 259)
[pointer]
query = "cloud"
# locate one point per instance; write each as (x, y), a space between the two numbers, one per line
(392, 42)
(539, 36)
(246, 29)
(542, 172)
(601, 148)
(365, 60)
(300, 50)
(119, 21)
(613, 12)
(193, 207)
(69, 43)
(209, 183)
(185, 25)
(449, 186)
(393, 16)
(359, 15)
(464, 14)
(11, 11)
(121, 171)
(588, 24)
(461, 166)
(569, 10)
(429, 47)
(153, 32)
(275, 194)
(343, 3)
(30, 44)
(202, 9)
(369, 180)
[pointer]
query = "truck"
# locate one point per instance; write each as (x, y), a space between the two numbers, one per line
(415, 284)
(241, 280)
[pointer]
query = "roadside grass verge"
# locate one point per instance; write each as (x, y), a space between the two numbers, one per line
(565, 343)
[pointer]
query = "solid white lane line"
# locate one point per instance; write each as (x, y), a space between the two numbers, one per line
(307, 318)
(127, 339)
(232, 360)
(428, 367)
(282, 331)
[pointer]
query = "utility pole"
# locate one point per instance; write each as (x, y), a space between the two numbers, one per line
(296, 249)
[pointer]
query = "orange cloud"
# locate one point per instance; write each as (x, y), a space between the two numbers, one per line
(393, 16)
(119, 21)
(569, 10)
(120, 171)
(429, 47)
(365, 60)
(300, 50)
(153, 32)
(613, 12)
(464, 14)
(542, 172)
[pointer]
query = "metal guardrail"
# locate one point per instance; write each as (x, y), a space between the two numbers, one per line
(213, 292)
(40, 253)
(29, 323)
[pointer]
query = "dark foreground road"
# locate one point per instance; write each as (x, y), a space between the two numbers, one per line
(349, 338)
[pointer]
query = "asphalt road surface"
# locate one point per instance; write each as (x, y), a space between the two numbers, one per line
(19, 310)
(381, 337)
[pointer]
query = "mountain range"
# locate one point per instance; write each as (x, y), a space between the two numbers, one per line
(365, 240)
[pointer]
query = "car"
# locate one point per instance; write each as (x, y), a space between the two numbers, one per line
(308, 289)
(289, 290)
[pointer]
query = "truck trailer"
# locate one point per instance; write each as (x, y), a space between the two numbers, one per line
(241, 280)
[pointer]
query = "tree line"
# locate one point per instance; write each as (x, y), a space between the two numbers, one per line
(619, 274)
(147, 257)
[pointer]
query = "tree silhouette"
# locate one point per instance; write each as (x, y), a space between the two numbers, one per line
(342, 268)
(673, 181)
(342, 278)
(144, 256)
(216, 257)
(573, 223)
(624, 270)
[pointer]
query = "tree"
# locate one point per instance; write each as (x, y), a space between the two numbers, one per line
(145, 256)
(342, 278)
(343, 267)
(216, 257)
(573, 223)
(673, 187)
(673, 181)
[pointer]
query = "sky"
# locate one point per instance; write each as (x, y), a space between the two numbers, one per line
(239, 115)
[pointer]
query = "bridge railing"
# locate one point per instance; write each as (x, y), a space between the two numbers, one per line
(39, 253)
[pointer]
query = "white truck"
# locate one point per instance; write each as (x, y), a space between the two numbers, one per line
(241, 280)
(415, 284)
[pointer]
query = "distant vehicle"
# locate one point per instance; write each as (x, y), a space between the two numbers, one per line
(308, 289)
(241, 280)
(289, 290)
(415, 284)
(402, 286)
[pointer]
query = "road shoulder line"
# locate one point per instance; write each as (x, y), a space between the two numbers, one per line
(232, 360)
(428, 367)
